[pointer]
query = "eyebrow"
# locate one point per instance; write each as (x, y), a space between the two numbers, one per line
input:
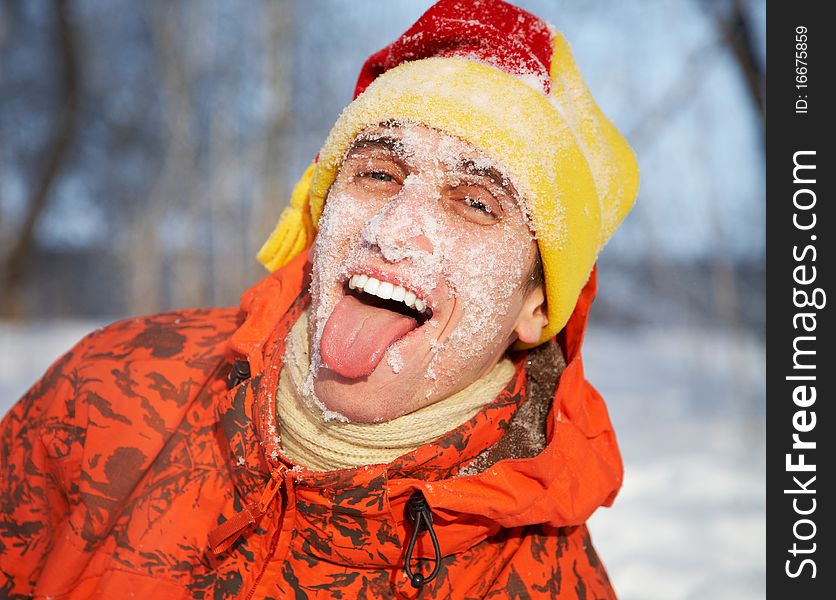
(390, 144)
(470, 167)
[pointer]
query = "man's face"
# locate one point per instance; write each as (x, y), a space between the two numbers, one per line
(418, 269)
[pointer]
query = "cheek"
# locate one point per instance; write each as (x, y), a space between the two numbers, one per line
(342, 219)
(487, 264)
(484, 271)
(339, 230)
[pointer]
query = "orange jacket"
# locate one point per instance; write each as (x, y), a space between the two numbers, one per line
(142, 447)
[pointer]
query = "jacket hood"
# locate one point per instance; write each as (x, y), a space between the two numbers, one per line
(578, 470)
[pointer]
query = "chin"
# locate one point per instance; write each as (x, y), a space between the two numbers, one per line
(365, 400)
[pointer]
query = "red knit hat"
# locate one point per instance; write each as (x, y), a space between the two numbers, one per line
(491, 31)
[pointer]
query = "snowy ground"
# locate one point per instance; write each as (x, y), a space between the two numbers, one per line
(688, 407)
(689, 411)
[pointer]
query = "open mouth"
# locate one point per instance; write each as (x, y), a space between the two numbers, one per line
(371, 316)
(389, 296)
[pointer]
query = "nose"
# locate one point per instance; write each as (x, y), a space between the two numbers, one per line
(400, 227)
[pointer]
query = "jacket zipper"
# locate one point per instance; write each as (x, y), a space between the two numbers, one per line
(273, 544)
(273, 488)
(222, 537)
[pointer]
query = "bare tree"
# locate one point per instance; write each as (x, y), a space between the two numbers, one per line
(146, 253)
(54, 155)
(735, 24)
(275, 192)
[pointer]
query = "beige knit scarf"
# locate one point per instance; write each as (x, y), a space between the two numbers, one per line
(322, 445)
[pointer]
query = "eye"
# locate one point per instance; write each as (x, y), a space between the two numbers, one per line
(372, 176)
(475, 204)
(378, 176)
(378, 181)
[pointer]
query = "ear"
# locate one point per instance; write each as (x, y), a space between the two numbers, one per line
(533, 317)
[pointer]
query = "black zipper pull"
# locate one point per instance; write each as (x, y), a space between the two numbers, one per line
(419, 514)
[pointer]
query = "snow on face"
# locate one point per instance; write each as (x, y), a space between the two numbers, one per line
(433, 213)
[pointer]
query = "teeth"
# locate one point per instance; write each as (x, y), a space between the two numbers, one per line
(371, 286)
(386, 290)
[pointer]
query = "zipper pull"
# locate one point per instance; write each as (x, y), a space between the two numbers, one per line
(273, 487)
(225, 534)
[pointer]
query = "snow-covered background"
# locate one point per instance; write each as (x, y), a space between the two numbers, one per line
(687, 405)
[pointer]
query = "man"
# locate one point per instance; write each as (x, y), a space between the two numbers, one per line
(370, 423)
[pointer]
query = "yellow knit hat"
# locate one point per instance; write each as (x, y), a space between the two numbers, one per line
(575, 172)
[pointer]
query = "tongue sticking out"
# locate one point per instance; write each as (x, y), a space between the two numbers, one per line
(357, 335)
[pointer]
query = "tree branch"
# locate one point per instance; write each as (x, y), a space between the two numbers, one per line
(54, 155)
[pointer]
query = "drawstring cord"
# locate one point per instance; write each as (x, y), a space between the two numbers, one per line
(419, 514)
